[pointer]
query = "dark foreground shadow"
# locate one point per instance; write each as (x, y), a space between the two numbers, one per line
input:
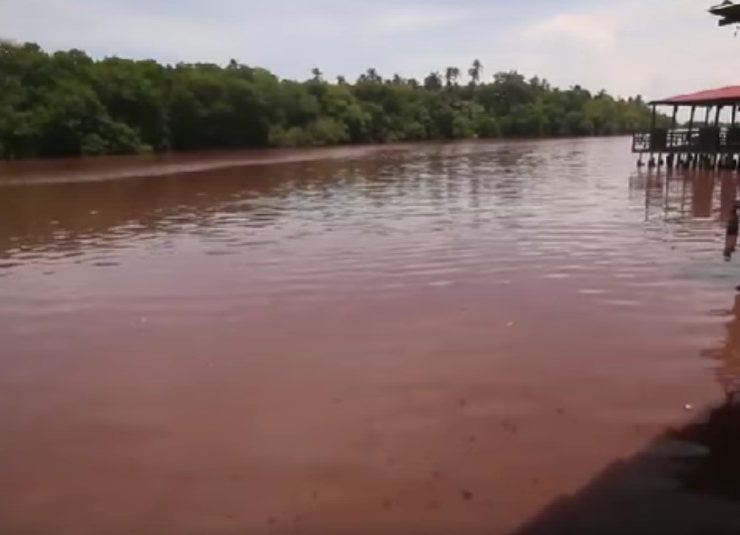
(685, 482)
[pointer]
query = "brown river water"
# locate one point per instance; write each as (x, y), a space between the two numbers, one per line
(523, 337)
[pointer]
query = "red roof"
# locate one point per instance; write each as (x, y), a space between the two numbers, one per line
(723, 95)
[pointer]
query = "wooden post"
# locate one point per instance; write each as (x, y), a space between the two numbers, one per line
(734, 116)
(669, 145)
(705, 157)
(716, 161)
(703, 164)
(690, 156)
(652, 162)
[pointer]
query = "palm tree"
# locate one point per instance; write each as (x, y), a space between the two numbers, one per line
(341, 80)
(433, 82)
(475, 72)
(373, 76)
(451, 76)
(317, 74)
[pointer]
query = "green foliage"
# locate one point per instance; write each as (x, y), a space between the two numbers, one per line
(66, 104)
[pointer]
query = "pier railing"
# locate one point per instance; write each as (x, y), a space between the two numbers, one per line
(705, 140)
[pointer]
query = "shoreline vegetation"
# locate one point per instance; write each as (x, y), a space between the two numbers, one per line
(68, 104)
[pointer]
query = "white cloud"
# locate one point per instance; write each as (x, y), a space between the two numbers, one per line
(656, 48)
(410, 18)
(583, 28)
(104, 26)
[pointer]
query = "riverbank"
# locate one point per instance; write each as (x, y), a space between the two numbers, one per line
(152, 165)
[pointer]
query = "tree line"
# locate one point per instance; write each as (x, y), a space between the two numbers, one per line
(66, 104)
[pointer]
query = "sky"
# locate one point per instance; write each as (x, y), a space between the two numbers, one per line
(656, 48)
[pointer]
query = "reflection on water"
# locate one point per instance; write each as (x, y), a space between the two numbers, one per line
(728, 354)
(689, 195)
(438, 338)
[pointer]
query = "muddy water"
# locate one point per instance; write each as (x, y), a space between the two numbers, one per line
(420, 339)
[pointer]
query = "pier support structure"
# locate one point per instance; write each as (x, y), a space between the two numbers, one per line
(711, 144)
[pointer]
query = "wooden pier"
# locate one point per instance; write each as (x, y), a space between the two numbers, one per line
(704, 142)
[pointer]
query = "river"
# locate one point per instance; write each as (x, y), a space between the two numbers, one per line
(433, 338)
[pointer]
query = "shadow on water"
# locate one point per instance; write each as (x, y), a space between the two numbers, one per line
(686, 481)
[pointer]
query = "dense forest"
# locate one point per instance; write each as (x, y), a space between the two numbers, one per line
(66, 103)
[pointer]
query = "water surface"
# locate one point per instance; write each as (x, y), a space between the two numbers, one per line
(418, 339)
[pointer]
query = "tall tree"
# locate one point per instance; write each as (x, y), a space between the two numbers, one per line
(452, 74)
(475, 72)
(67, 104)
(433, 82)
(371, 75)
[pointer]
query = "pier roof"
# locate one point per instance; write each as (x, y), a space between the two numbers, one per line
(708, 97)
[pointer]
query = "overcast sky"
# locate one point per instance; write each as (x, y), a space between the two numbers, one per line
(653, 47)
